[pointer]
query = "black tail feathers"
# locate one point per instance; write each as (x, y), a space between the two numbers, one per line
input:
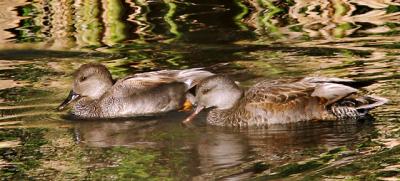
(356, 108)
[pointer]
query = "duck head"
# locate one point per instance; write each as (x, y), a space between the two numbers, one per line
(91, 81)
(218, 92)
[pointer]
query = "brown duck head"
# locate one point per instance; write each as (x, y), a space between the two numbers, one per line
(218, 92)
(91, 81)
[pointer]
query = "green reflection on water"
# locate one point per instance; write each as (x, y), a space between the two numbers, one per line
(88, 25)
(265, 22)
(102, 27)
(23, 158)
(18, 94)
(115, 30)
(239, 17)
(30, 27)
(368, 168)
(169, 18)
(27, 72)
(132, 164)
(392, 9)
(339, 31)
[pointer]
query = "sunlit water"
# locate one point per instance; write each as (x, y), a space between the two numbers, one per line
(43, 41)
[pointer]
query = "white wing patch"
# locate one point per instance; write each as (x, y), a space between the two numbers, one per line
(332, 92)
(192, 76)
(188, 82)
(325, 79)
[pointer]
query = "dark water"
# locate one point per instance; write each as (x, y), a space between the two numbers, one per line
(42, 42)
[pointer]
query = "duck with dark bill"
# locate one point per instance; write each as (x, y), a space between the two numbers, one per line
(95, 95)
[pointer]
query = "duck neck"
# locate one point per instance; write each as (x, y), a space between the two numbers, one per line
(227, 117)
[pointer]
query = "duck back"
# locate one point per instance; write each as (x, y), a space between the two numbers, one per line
(289, 101)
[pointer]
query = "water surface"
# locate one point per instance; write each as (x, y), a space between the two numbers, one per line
(44, 41)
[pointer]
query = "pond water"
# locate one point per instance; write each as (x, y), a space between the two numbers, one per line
(43, 41)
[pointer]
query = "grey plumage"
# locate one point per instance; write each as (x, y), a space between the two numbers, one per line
(138, 94)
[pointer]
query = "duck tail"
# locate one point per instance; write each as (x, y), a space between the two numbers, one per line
(346, 109)
(373, 102)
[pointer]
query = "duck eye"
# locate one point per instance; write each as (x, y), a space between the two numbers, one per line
(82, 78)
(204, 91)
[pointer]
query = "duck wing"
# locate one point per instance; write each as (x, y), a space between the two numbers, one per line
(143, 95)
(191, 77)
(347, 82)
(310, 100)
(339, 90)
(277, 92)
(141, 83)
(282, 102)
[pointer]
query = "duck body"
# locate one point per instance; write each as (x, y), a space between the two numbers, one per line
(116, 103)
(287, 101)
(136, 95)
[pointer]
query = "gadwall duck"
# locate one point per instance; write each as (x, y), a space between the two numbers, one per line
(279, 102)
(95, 95)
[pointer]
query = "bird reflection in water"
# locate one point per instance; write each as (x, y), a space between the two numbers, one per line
(214, 149)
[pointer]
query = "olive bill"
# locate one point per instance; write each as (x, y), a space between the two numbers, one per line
(72, 96)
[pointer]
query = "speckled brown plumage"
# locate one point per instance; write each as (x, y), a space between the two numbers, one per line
(284, 101)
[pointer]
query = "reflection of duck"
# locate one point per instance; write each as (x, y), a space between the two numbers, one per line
(139, 94)
(231, 154)
(108, 133)
(276, 102)
(214, 153)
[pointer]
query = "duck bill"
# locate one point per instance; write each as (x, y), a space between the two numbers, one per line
(72, 96)
(190, 118)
